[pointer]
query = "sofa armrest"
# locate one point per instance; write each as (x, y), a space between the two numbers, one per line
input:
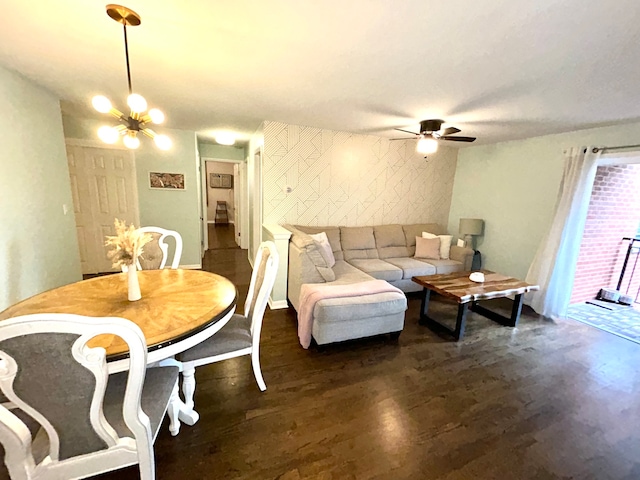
(463, 255)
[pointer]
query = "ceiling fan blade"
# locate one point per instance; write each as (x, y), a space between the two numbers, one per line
(450, 131)
(405, 138)
(459, 139)
(406, 131)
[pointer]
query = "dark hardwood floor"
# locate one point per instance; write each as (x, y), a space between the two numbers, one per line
(221, 236)
(544, 401)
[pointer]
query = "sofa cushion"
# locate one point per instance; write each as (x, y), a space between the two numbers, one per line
(378, 268)
(333, 234)
(358, 242)
(412, 267)
(390, 241)
(445, 266)
(347, 273)
(415, 230)
(345, 309)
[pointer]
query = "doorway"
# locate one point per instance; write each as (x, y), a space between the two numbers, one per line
(609, 252)
(222, 203)
(103, 187)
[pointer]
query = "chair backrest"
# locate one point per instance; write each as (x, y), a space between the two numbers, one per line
(50, 373)
(265, 268)
(155, 253)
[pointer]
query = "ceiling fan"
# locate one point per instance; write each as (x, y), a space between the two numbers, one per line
(430, 133)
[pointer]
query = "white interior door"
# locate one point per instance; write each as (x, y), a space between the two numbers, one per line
(103, 185)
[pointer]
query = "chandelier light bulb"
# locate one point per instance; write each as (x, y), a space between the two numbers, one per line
(427, 145)
(131, 141)
(225, 138)
(163, 142)
(108, 134)
(101, 103)
(137, 103)
(156, 115)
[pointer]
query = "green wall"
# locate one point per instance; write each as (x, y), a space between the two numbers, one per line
(38, 244)
(513, 186)
(225, 152)
(172, 209)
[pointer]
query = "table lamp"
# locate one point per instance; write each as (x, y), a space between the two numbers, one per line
(470, 227)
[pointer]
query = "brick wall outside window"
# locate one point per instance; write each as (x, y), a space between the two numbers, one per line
(614, 213)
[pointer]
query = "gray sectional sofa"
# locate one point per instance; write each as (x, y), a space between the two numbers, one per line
(384, 252)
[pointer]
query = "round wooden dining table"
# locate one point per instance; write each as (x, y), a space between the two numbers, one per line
(175, 306)
(178, 309)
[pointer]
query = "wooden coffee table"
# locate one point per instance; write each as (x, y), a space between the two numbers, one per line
(467, 293)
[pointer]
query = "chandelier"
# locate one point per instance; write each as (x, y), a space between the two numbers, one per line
(138, 118)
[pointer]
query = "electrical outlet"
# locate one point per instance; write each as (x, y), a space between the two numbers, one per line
(65, 209)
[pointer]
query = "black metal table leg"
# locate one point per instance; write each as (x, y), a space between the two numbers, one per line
(511, 321)
(516, 309)
(424, 307)
(461, 320)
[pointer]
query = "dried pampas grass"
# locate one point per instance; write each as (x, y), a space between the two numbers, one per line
(128, 243)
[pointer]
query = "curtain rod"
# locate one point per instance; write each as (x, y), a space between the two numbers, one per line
(618, 147)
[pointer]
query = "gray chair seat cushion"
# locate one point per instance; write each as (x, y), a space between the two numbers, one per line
(362, 306)
(235, 335)
(445, 266)
(412, 267)
(347, 273)
(377, 268)
(158, 385)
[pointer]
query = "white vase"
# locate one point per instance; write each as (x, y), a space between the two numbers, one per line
(132, 283)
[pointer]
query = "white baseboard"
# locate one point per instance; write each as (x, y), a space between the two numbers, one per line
(213, 221)
(197, 266)
(278, 304)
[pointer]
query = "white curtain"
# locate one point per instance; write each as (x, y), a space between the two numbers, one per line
(554, 265)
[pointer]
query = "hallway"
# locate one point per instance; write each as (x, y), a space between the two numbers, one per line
(221, 236)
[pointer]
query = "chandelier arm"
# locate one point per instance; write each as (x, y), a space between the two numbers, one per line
(148, 132)
(126, 54)
(117, 113)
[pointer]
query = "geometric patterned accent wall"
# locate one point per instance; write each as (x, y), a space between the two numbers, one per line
(340, 178)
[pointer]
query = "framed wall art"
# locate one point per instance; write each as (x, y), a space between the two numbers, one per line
(166, 181)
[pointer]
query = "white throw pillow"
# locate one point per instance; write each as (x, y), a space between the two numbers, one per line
(324, 247)
(445, 243)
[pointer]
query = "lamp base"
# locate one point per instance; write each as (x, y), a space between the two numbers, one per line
(468, 242)
(123, 15)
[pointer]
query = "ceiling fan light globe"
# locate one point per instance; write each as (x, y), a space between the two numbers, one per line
(108, 134)
(101, 103)
(156, 115)
(131, 141)
(427, 145)
(137, 103)
(163, 142)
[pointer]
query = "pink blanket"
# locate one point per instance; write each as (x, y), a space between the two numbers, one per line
(312, 293)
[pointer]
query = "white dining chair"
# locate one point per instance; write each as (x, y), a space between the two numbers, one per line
(64, 416)
(241, 335)
(155, 254)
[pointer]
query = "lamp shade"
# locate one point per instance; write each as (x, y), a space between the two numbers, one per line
(471, 226)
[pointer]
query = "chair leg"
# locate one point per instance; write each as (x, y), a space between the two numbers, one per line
(146, 463)
(173, 410)
(188, 385)
(255, 363)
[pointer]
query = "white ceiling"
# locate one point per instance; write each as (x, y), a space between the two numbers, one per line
(497, 69)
